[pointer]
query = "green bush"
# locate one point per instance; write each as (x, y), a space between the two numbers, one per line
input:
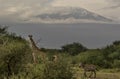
(92, 57)
(14, 54)
(49, 70)
(58, 70)
(116, 64)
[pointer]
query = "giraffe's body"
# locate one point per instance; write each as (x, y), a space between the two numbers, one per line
(36, 52)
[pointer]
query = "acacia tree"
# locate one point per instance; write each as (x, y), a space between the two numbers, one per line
(74, 48)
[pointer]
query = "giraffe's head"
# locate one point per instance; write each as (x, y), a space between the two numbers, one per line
(54, 56)
(30, 36)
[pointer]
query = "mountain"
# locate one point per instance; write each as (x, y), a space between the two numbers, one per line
(69, 15)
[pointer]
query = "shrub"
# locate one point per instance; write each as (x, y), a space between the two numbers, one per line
(58, 70)
(116, 64)
(14, 54)
(92, 57)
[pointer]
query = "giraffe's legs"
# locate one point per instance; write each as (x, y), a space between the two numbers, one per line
(34, 58)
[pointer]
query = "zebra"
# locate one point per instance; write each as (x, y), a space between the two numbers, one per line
(88, 68)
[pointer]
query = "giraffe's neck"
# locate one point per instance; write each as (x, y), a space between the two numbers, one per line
(34, 45)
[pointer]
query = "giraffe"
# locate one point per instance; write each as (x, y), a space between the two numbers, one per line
(36, 52)
(89, 68)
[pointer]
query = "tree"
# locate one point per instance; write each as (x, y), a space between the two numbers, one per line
(74, 49)
(116, 43)
(3, 29)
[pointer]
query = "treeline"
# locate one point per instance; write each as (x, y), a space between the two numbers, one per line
(106, 57)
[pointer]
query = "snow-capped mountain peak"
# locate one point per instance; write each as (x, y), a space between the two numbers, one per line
(68, 15)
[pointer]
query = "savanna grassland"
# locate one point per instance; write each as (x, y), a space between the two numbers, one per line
(102, 74)
(16, 60)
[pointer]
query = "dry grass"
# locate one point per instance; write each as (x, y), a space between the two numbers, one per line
(100, 75)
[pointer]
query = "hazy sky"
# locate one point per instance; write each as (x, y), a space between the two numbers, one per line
(20, 10)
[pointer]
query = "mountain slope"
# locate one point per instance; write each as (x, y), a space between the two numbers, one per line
(68, 15)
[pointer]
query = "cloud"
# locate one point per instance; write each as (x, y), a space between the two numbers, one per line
(111, 7)
(113, 4)
(115, 1)
(21, 10)
(92, 5)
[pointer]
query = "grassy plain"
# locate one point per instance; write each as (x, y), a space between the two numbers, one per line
(101, 74)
